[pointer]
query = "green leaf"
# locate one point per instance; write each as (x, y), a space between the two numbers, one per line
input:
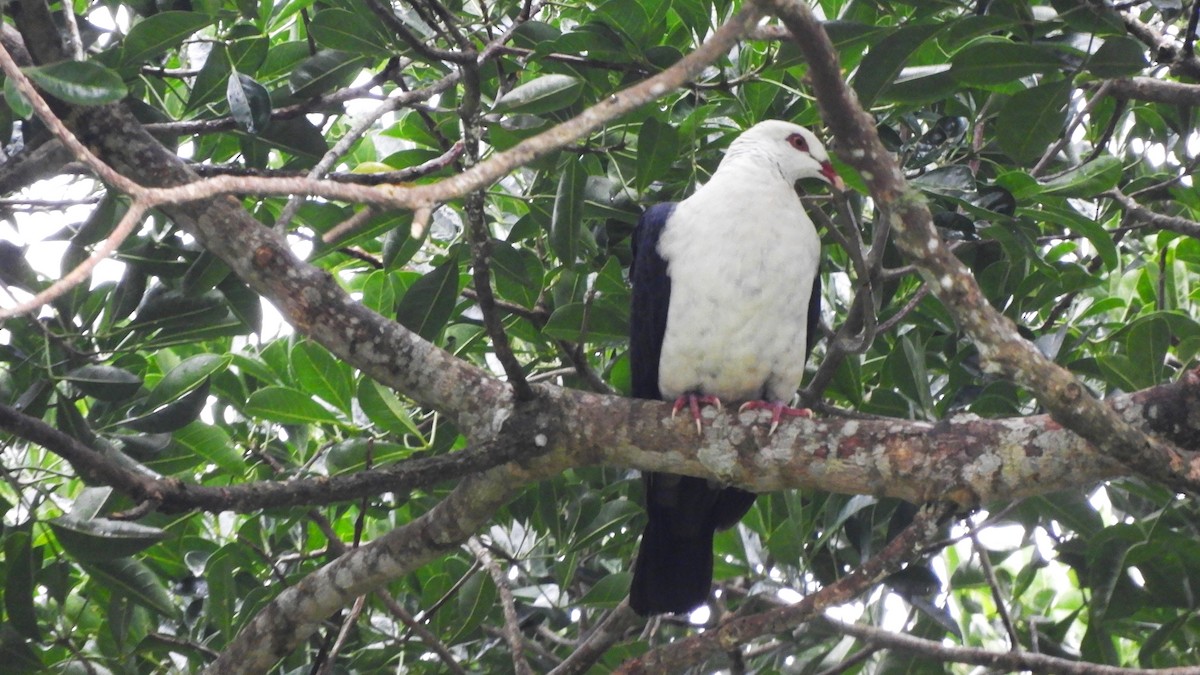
(351, 455)
(79, 82)
(476, 599)
(566, 221)
(1086, 180)
(16, 654)
(186, 376)
(20, 105)
(609, 591)
(204, 274)
(249, 102)
(325, 71)
(348, 31)
(297, 136)
(1075, 221)
(1032, 120)
(213, 444)
(1147, 344)
(212, 81)
(658, 148)
(156, 34)
(1118, 57)
(578, 323)
(886, 57)
(1001, 63)
(385, 409)
(103, 539)
(517, 272)
(135, 581)
(545, 94)
(20, 563)
(287, 406)
(107, 383)
(173, 415)
(318, 372)
(429, 303)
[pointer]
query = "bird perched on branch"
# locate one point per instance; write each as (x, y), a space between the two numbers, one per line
(726, 299)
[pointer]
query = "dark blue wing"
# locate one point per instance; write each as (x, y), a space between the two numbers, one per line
(814, 314)
(651, 297)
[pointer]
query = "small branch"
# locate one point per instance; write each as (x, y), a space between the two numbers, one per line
(394, 25)
(512, 623)
(346, 142)
(424, 634)
(1014, 640)
(1005, 661)
(607, 633)
(1140, 213)
(1153, 90)
(174, 496)
(348, 622)
(1065, 139)
(692, 651)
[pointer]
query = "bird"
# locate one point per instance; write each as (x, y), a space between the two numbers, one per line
(725, 304)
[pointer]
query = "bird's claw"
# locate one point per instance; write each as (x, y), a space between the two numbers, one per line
(778, 410)
(693, 401)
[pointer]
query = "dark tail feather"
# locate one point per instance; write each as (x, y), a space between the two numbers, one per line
(671, 575)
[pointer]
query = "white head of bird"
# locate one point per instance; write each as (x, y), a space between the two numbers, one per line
(790, 149)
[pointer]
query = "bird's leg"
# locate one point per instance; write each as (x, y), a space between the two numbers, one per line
(693, 401)
(778, 410)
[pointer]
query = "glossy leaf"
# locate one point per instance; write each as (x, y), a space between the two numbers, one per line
(542, 95)
(1032, 119)
(185, 377)
(134, 580)
(287, 406)
(1086, 180)
(103, 539)
(1118, 57)
(429, 303)
(249, 102)
(323, 71)
(213, 444)
(107, 383)
(886, 57)
(156, 34)
(566, 221)
(79, 82)
(173, 415)
(348, 31)
(994, 63)
(658, 148)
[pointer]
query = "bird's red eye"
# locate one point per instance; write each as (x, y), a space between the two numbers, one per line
(798, 142)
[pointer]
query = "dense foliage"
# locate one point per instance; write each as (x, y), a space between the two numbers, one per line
(1017, 120)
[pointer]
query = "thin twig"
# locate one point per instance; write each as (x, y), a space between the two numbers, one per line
(512, 623)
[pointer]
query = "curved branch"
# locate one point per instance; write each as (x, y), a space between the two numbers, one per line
(1001, 348)
(296, 612)
(171, 495)
(694, 650)
(1008, 661)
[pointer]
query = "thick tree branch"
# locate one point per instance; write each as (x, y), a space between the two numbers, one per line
(965, 458)
(1001, 348)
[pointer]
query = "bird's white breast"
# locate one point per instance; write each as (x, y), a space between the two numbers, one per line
(741, 257)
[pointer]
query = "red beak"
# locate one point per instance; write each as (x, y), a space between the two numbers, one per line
(831, 176)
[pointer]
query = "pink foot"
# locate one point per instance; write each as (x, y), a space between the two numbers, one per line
(693, 401)
(778, 410)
